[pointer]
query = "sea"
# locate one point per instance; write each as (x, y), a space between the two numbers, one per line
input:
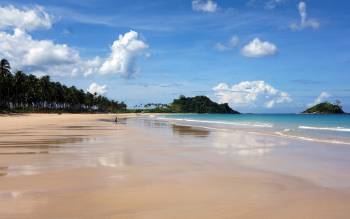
(333, 129)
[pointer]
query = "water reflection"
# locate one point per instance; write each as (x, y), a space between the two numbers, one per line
(51, 152)
(189, 130)
(244, 144)
(10, 194)
(224, 141)
(3, 171)
(85, 154)
(154, 123)
(30, 147)
(114, 160)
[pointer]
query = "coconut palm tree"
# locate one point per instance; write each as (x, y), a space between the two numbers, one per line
(28, 92)
(5, 83)
(5, 67)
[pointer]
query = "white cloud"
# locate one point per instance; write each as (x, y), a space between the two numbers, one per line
(257, 48)
(42, 57)
(321, 98)
(267, 4)
(96, 88)
(221, 47)
(250, 94)
(271, 4)
(25, 19)
(208, 6)
(38, 56)
(232, 43)
(304, 20)
(124, 52)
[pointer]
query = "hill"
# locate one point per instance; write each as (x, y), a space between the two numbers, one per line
(199, 104)
(324, 108)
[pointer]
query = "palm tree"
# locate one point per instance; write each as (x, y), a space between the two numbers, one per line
(22, 91)
(19, 85)
(5, 67)
(5, 80)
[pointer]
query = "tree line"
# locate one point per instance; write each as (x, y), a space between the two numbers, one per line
(22, 92)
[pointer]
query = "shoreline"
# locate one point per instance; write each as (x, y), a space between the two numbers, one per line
(141, 169)
(255, 129)
(151, 115)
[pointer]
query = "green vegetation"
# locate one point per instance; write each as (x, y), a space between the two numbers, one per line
(325, 108)
(20, 92)
(198, 104)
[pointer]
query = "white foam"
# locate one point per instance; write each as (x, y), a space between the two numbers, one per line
(259, 125)
(336, 129)
(318, 140)
(283, 133)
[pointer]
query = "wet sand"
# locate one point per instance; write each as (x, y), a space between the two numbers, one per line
(86, 166)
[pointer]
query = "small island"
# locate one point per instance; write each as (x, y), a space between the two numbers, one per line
(325, 108)
(197, 104)
(200, 104)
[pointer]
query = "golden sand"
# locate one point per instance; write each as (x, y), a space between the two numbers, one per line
(86, 166)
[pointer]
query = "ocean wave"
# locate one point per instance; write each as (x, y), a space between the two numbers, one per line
(336, 129)
(286, 132)
(258, 125)
(318, 140)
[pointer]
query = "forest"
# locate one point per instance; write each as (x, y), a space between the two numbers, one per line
(20, 92)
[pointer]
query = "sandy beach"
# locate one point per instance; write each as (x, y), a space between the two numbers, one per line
(86, 166)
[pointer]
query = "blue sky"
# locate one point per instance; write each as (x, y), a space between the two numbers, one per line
(258, 55)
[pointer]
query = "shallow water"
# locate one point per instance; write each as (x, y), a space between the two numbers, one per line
(321, 128)
(325, 164)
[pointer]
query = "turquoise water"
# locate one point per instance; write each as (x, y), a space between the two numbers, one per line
(332, 128)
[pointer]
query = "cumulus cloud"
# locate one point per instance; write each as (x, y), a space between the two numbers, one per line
(96, 88)
(204, 6)
(124, 52)
(24, 19)
(257, 48)
(37, 55)
(250, 94)
(47, 57)
(321, 98)
(305, 22)
(232, 43)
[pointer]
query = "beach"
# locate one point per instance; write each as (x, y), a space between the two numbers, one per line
(88, 166)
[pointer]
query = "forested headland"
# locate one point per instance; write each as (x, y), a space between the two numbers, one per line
(20, 92)
(197, 104)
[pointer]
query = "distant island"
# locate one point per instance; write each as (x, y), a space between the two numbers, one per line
(197, 104)
(325, 108)
(200, 104)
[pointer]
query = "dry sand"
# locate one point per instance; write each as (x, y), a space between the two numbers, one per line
(86, 166)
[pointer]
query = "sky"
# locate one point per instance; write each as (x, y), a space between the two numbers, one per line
(260, 56)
